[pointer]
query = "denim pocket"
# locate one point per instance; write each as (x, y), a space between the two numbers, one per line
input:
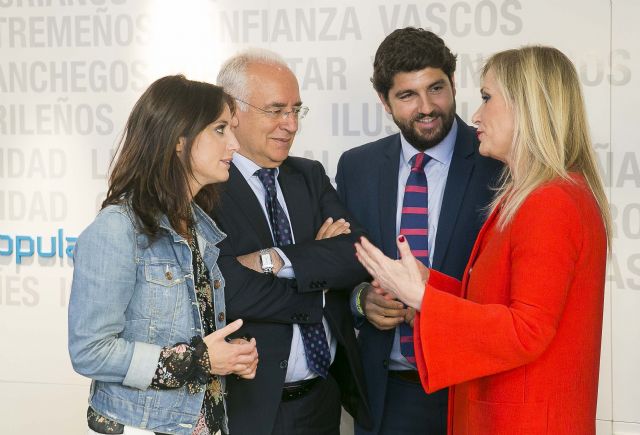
(164, 274)
(165, 299)
(136, 330)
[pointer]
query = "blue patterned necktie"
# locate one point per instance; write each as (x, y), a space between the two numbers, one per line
(414, 225)
(314, 338)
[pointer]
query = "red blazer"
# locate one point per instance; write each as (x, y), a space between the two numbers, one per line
(520, 336)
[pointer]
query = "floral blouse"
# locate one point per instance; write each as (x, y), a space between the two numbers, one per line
(185, 364)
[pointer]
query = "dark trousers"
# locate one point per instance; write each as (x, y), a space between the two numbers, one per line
(408, 410)
(317, 413)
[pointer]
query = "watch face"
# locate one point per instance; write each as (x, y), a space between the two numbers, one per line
(265, 261)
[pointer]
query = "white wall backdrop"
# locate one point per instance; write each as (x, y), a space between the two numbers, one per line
(70, 71)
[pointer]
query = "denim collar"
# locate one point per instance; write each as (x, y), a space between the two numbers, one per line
(205, 226)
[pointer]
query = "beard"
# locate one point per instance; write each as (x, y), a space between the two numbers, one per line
(422, 140)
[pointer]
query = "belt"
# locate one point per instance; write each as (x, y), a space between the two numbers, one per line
(296, 390)
(406, 375)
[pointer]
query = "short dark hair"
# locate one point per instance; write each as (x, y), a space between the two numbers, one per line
(406, 50)
(148, 174)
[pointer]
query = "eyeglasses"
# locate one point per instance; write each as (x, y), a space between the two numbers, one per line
(298, 113)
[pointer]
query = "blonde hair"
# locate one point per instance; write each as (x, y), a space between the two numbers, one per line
(551, 134)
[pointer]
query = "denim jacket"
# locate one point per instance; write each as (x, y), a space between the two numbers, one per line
(130, 298)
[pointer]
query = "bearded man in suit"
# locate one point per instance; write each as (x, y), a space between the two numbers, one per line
(429, 183)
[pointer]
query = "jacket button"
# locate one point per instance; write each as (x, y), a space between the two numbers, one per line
(385, 363)
(221, 317)
(168, 275)
(216, 284)
(283, 364)
(306, 317)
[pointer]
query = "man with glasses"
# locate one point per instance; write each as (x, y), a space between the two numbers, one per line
(288, 263)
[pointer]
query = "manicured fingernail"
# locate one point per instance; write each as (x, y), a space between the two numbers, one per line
(401, 238)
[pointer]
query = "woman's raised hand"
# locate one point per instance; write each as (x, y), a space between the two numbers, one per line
(404, 278)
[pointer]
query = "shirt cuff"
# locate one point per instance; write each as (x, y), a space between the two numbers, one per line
(287, 270)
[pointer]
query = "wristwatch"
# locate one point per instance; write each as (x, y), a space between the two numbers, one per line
(265, 262)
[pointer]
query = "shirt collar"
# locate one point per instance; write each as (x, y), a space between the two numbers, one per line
(246, 166)
(442, 152)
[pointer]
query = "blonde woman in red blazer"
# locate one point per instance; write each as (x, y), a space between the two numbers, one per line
(519, 337)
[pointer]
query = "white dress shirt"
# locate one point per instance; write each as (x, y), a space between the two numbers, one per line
(436, 170)
(297, 368)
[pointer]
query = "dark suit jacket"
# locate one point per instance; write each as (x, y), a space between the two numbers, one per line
(269, 305)
(367, 181)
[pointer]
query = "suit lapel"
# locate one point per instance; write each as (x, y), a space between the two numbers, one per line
(388, 190)
(462, 163)
(238, 193)
(296, 196)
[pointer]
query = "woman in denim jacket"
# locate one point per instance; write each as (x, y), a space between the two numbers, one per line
(147, 314)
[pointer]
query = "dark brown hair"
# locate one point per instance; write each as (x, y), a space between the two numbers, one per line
(147, 173)
(406, 50)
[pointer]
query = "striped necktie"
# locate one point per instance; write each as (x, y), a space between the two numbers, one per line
(314, 337)
(414, 225)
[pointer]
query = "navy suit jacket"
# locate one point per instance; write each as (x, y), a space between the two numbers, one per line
(270, 306)
(367, 180)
